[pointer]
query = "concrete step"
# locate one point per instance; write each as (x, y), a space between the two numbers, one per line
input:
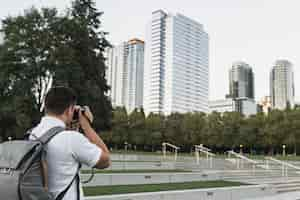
(273, 181)
(288, 189)
(287, 185)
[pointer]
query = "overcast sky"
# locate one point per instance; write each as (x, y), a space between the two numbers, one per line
(255, 31)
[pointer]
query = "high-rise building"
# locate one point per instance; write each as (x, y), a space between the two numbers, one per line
(282, 89)
(222, 105)
(241, 81)
(124, 74)
(135, 75)
(115, 71)
(245, 106)
(176, 65)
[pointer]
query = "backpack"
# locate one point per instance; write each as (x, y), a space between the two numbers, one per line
(23, 171)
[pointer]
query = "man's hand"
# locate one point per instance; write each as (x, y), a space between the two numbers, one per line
(86, 118)
(88, 113)
(89, 132)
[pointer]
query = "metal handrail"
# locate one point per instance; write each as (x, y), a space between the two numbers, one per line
(283, 163)
(207, 153)
(170, 145)
(242, 157)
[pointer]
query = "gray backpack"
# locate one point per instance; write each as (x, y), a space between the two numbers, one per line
(23, 171)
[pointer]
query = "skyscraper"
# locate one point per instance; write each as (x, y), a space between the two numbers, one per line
(125, 74)
(115, 73)
(176, 65)
(241, 81)
(134, 85)
(282, 89)
(241, 88)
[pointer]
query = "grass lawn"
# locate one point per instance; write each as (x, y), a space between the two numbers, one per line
(124, 189)
(133, 171)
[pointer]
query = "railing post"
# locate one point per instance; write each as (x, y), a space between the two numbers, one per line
(197, 156)
(242, 163)
(206, 156)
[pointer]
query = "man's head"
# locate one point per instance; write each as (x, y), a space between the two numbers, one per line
(60, 102)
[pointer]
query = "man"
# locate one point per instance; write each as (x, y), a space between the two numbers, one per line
(68, 149)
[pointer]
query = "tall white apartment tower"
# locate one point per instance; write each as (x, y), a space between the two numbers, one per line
(282, 89)
(176, 65)
(125, 74)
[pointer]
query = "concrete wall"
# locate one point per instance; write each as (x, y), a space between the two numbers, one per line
(132, 165)
(141, 165)
(147, 178)
(158, 157)
(229, 193)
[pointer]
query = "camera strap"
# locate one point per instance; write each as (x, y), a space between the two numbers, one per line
(90, 178)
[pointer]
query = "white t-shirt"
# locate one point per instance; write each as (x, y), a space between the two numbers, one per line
(63, 154)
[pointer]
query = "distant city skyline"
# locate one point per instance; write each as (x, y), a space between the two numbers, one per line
(249, 30)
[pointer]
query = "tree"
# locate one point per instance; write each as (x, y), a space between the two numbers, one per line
(137, 127)
(25, 67)
(215, 130)
(120, 127)
(250, 131)
(80, 62)
(194, 129)
(154, 131)
(174, 129)
(292, 129)
(232, 123)
(272, 132)
(41, 47)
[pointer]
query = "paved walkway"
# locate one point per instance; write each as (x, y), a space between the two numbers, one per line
(285, 196)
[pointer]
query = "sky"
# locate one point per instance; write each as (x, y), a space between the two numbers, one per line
(257, 32)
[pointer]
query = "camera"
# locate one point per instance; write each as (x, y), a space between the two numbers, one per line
(76, 112)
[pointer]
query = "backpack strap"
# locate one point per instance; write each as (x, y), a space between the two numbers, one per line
(50, 134)
(44, 140)
(77, 179)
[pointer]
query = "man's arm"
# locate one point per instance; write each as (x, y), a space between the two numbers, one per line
(104, 160)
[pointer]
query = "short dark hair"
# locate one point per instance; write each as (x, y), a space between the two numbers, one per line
(58, 99)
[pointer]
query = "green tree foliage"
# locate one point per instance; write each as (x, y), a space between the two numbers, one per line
(41, 47)
(273, 132)
(25, 67)
(154, 131)
(137, 123)
(80, 59)
(194, 127)
(120, 130)
(214, 132)
(232, 122)
(258, 133)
